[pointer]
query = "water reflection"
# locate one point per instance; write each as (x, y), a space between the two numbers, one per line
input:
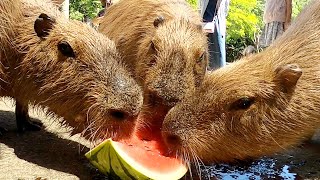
(302, 162)
(266, 168)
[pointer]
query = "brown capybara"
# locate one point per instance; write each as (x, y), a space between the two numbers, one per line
(257, 106)
(163, 45)
(248, 50)
(66, 67)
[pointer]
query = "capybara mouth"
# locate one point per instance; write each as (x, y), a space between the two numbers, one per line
(148, 128)
(101, 128)
(150, 122)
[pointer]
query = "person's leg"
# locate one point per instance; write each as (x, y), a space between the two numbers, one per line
(214, 51)
(216, 47)
(222, 44)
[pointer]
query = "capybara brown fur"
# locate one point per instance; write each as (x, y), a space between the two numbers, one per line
(259, 105)
(163, 45)
(66, 67)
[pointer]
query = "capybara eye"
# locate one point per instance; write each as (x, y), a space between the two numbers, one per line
(243, 103)
(158, 21)
(202, 57)
(65, 48)
(152, 62)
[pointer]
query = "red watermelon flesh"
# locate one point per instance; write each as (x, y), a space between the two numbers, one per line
(149, 156)
(147, 147)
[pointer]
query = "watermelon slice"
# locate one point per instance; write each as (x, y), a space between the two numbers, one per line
(143, 156)
(129, 161)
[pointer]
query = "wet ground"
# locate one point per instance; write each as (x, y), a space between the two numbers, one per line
(302, 162)
(53, 154)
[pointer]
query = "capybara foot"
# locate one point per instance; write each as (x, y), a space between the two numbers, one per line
(24, 123)
(2, 130)
(32, 125)
(28, 125)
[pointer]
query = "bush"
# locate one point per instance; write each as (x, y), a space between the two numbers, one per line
(244, 21)
(81, 8)
(193, 3)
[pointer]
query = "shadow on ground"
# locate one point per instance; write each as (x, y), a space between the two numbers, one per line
(46, 150)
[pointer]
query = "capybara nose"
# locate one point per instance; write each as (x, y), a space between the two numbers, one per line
(172, 140)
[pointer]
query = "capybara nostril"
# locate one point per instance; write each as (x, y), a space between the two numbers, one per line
(153, 98)
(172, 140)
(118, 115)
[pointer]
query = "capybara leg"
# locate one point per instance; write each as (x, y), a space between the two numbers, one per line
(2, 131)
(23, 120)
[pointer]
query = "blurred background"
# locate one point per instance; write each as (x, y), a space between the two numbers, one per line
(244, 20)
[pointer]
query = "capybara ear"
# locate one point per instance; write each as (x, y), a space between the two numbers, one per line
(287, 77)
(158, 21)
(43, 25)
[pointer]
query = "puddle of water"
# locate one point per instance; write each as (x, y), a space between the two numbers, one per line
(302, 162)
(266, 168)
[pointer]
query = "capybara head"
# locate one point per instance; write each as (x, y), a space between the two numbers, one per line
(77, 73)
(175, 60)
(240, 111)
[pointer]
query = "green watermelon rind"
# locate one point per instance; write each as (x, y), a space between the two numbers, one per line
(110, 159)
(103, 154)
(99, 156)
(127, 172)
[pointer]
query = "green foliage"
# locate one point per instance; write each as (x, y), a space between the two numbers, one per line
(297, 6)
(243, 23)
(193, 3)
(81, 8)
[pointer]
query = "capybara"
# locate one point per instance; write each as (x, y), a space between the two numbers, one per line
(248, 50)
(66, 67)
(257, 106)
(164, 46)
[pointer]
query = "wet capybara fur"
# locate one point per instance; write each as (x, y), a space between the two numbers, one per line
(66, 67)
(259, 105)
(164, 46)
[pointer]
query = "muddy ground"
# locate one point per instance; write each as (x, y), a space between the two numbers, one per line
(53, 154)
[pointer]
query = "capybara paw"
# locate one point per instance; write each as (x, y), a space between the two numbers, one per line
(2, 130)
(33, 125)
(30, 125)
